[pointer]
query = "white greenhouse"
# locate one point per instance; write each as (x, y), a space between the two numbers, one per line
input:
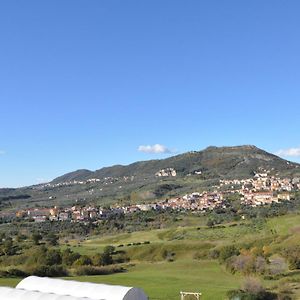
(19, 294)
(79, 289)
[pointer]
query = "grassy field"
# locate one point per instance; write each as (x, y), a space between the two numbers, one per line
(163, 279)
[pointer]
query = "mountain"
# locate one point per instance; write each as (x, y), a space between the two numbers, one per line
(213, 162)
(152, 179)
(76, 175)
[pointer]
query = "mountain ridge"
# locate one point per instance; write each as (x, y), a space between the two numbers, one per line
(202, 158)
(152, 179)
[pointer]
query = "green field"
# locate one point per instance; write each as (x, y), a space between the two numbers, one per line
(165, 280)
(188, 270)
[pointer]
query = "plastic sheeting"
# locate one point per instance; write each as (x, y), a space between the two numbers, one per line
(81, 289)
(19, 294)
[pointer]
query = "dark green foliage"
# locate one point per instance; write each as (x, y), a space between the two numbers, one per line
(52, 239)
(53, 257)
(163, 189)
(15, 197)
(106, 257)
(83, 260)
(69, 257)
(48, 271)
(13, 273)
(36, 238)
(227, 252)
(7, 247)
(90, 270)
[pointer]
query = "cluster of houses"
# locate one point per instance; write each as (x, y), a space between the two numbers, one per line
(262, 181)
(74, 213)
(168, 172)
(193, 201)
(260, 190)
(104, 181)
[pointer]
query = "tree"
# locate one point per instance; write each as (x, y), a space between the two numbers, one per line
(8, 247)
(69, 257)
(36, 238)
(83, 260)
(106, 256)
(52, 239)
(53, 257)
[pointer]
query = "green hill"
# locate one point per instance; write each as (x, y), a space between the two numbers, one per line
(195, 171)
(230, 162)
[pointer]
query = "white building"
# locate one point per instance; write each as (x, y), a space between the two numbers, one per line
(79, 289)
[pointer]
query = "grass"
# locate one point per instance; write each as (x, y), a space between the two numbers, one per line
(163, 280)
(284, 224)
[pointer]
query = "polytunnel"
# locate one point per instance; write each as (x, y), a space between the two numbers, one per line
(20, 294)
(81, 289)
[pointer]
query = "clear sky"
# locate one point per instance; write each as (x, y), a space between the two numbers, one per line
(86, 84)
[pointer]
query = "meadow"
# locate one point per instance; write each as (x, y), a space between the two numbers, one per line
(163, 281)
(166, 261)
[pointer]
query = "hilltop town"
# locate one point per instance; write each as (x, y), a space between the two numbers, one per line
(261, 189)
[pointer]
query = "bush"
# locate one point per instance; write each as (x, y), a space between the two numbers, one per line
(214, 253)
(168, 255)
(49, 271)
(17, 273)
(69, 257)
(83, 260)
(90, 270)
(13, 273)
(227, 252)
(247, 264)
(292, 254)
(252, 289)
(242, 295)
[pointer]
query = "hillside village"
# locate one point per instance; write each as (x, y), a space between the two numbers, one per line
(261, 189)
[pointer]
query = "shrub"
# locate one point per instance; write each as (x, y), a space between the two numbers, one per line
(252, 289)
(90, 270)
(53, 257)
(214, 253)
(227, 252)
(292, 254)
(16, 273)
(69, 257)
(49, 271)
(13, 273)
(83, 260)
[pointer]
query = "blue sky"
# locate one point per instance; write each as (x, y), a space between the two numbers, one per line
(86, 84)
